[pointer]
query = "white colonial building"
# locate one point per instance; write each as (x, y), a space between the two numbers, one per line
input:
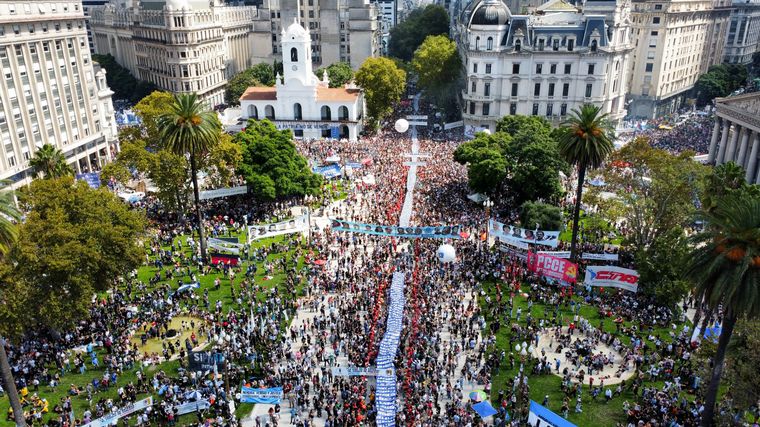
(546, 63)
(301, 101)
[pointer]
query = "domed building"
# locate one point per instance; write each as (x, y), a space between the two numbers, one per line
(545, 63)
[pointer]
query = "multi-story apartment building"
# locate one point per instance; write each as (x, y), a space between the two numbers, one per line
(341, 30)
(51, 92)
(545, 63)
(388, 14)
(676, 42)
(179, 45)
(743, 32)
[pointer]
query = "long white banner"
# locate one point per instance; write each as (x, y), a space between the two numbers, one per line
(295, 225)
(109, 419)
(222, 192)
(612, 277)
(600, 257)
(535, 237)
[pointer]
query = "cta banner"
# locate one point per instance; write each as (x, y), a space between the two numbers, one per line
(535, 237)
(295, 225)
(113, 417)
(267, 396)
(600, 257)
(553, 267)
(612, 277)
(441, 232)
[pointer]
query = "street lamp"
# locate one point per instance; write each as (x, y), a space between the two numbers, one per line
(488, 204)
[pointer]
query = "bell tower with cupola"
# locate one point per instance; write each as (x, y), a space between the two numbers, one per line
(296, 54)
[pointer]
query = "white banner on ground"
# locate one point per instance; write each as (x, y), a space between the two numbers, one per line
(295, 225)
(417, 123)
(453, 125)
(600, 257)
(355, 371)
(519, 244)
(198, 405)
(222, 192)
(109, 419)
(419, 117)
(612, 277)
(557, 254)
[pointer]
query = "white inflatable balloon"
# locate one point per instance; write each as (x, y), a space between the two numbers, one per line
(402, 125)
(486, 131)
(446, 253)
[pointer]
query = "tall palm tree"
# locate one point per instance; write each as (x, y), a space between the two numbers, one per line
(50, 162)
(585, 141)
(725, 270)
(9, 216)
(191, 128)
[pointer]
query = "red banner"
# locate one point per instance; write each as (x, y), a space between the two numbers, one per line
(553, 267)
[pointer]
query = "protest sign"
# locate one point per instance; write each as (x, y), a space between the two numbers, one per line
(268, 396)
(536, 237)
(113, 417)
(553, 267)
(612, 277)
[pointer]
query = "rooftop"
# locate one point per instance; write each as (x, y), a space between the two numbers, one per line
(256, 93)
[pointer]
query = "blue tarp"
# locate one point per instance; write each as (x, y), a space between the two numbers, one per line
(546, 417)
(484, 409)
(713, 332)
(92, 179)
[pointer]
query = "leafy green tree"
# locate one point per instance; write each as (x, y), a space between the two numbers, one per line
(585, 140)
(223, 160)
(657, 189)
(408, 35)
(338, 74)
(383, 84)
(74, 242)
(189, 127)
(259, 75)
(661, 265)
(548, 217)
(719, 81)
(149, 109)
(50, 162)
(271, 164)
(724, 267)
(121, 81)
(521, 156)
(486, 160)
(438, 67)
(742, 372)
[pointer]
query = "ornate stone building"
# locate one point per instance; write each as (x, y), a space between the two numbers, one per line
(546, 63)
(736, 134)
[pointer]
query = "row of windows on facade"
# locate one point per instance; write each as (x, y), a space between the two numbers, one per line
(539, 68)
(555, 42)
(42, 7)
(44, 27)
(536, 89)
(325, 112)
(486, 109)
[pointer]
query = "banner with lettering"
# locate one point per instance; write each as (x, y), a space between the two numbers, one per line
(600, 257)
(612, 277)
(558, 254)
(295, 225)
(267, 396)
(553, 267)
(535, 237)
(113, 417)
(440, 232)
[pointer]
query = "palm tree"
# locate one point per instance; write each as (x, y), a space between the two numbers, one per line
(193, 129)
(725, 269)
(585, 141)
(9, 216)
(50, 162)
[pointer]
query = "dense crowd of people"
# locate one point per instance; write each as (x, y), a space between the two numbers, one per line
(330, 307)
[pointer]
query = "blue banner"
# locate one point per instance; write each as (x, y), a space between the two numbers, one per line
(386, 385)
(334, 132)
(440, 232)
(329, 172)
(92, 179)
(268, 396)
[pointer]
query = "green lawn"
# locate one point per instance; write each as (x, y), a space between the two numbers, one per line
(81, 403)
(596, 413)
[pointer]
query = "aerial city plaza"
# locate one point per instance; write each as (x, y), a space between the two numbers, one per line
(380, 213)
